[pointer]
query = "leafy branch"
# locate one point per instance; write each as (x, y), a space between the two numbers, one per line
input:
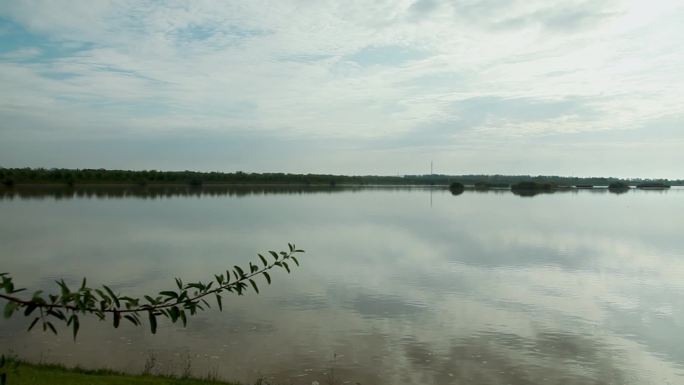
(177, 304)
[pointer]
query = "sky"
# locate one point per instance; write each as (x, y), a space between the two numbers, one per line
(565, 87)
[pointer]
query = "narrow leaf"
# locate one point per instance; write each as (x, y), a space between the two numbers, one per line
(183, 318)
(111, 294)
(132, 319)
(35, 321)
(10, 308)
(153, 322)
(30, 308)
(75, 325)
(254, 285)
(218, 300)
(174, 313)
(117, 319)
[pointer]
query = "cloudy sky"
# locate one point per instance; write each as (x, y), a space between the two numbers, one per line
(566, 87)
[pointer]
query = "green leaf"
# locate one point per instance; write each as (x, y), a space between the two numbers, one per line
(295, 260)
(52, 327)
(286, 267)
(252, 268)
(183, 318)
(111, 294)
(117, 319)
(268, 277)
(254, 285)
(10, 308)
(263, 260)
(174, 313)
(102, 295)
(170, 294)
(132, 319)
(57, 313)
(274, 254)
(153, 322)
(65, 289)
(239, 270)
(30, 308)
(75, 325)
(204, 301)
(35, 321)
(218, 301)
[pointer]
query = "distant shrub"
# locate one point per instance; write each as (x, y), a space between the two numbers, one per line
(456, 188)
(618, 186)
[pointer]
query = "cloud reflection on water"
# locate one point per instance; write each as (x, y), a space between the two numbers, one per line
(481, 288)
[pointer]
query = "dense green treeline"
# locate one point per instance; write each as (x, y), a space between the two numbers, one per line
(12, 176)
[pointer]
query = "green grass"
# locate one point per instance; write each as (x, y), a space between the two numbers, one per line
(32, 374)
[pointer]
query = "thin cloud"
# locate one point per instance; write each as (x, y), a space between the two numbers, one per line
(395, 75)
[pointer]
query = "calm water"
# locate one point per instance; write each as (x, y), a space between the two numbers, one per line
(398, 286)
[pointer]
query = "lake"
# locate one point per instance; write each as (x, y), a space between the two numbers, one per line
(397, 285)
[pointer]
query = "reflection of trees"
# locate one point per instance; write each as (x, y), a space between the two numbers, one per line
(619, 190)
(166, 191)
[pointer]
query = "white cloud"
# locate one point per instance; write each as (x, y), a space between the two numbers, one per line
(306, 69)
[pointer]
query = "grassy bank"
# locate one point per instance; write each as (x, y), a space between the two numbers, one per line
(33, 374)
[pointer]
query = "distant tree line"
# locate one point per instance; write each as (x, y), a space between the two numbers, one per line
(13, 176)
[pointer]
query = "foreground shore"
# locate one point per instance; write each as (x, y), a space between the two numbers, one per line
(46, 374)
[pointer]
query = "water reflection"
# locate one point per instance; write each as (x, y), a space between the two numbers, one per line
(577, 287)
(165, 191)
(169, 191)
